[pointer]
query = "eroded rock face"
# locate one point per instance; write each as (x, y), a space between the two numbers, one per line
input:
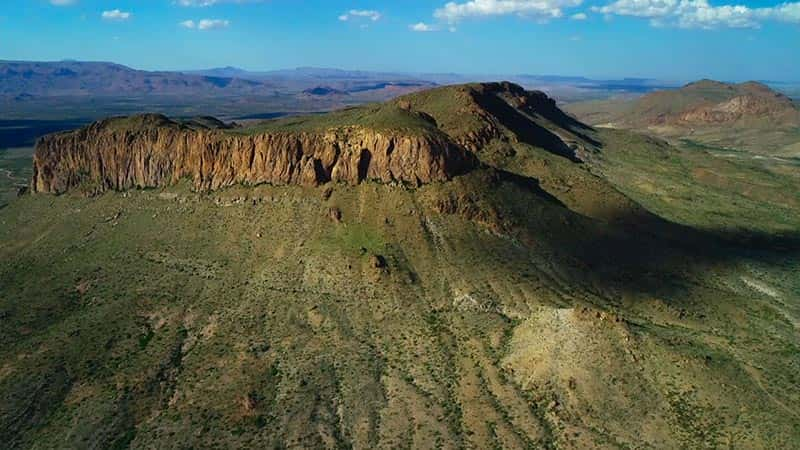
(740, 107)
(104, 157)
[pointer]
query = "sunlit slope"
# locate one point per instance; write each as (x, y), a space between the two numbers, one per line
(474, 313)
(747, 116)
(544, 299)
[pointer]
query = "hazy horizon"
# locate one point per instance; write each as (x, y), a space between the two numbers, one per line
(599, 39)
(471, 76)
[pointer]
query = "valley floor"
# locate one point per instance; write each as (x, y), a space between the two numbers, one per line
(15, 171)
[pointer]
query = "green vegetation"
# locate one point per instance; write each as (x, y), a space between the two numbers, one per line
(647, 298)
(138, 122)
(703, 186)
(381, 117)
(258, 287)
(16, 170)
(442, 102)
(354, 238)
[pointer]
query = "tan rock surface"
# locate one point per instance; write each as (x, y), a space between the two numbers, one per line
(104, 157)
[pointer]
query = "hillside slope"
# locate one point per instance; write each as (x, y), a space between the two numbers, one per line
(524, 303)
(712, 102)
(748, 116)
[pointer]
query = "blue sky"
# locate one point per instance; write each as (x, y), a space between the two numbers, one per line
(668, 39)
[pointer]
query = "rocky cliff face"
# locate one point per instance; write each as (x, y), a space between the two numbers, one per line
(711, 103)
(110, 155)
(744, 106)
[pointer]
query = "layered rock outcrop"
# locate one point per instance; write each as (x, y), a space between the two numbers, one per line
(108, 155)
(742, 107)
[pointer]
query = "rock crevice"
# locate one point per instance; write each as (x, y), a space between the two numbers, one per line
(102, 157)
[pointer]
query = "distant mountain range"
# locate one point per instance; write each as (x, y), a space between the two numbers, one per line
(326, 75)
(24, 81)
(304, 73)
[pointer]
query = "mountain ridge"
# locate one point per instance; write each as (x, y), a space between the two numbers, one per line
(409, 140)
(109, 79)
(30, 80)
(713, 102)
(749, 116)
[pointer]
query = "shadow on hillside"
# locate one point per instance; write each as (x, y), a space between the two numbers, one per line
(527, 184)
(546, 107)
(564, 120)
(645, 254)
(639, 252)
(526, 130)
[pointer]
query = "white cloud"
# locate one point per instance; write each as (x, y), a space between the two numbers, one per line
(205, 24)
(539, 9)
(578, 16)
(198, 3)
(361, 13)
(786, 12)
(700, 13)
(116, 14)
(422, 27)
(207, 3)
(63, 2)
(212, 24)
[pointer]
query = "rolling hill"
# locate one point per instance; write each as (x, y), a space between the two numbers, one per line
(466, 266)
(749, 116)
